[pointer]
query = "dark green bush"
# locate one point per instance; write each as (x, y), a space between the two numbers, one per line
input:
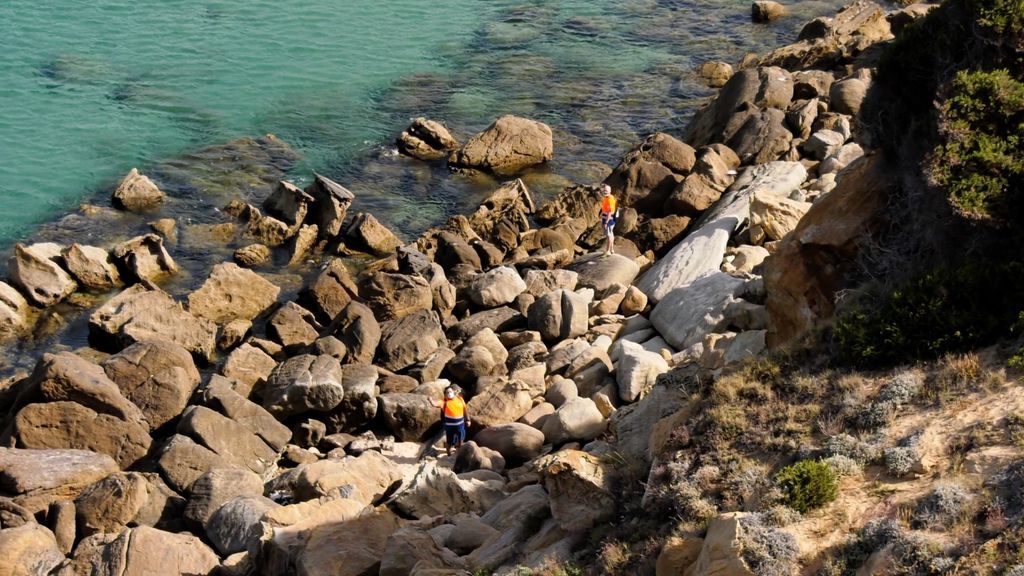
(808, 484)
(980, 161)
(942, 311)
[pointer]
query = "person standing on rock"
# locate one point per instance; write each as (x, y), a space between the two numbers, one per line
(609, 214)
(455, 418)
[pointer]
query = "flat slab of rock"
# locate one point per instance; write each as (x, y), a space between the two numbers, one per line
(496, 287)
(145, 551)
(157, 376)
(37, 477)
(687, 313)
(507, 146)
(601, 272)
(703, 249)
(232, 293)
(138, 313)
(220, 396)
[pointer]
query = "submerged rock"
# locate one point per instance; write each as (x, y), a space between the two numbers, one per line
(427, 140)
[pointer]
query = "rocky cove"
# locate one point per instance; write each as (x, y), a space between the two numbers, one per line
(277, 417)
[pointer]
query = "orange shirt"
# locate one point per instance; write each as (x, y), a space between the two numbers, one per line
(455, 408)
(609, 204)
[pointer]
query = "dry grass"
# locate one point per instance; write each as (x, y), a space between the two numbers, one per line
(614, 556)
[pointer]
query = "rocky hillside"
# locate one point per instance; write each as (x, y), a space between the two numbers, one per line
(674, 408)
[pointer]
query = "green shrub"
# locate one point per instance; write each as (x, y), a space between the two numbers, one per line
(808, 484)
(944, 310)
(980, 160)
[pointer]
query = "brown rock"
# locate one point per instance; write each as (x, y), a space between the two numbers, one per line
(715, 74)
(249, 367)
(352, 548)
(747, 91)
(33, 270)
(809, 267)
(366, 233)
(252, 255)
(649, 173)
(126, 499)
(332, 290)
(146, 551)
(182, 462)
(14, 311)
(92, 267)
(70, 425)
(427, 140)
(500, 402)
(409, 416)
(303, 243)
(157, 376)
(409, 340)
(139, 313)
(36, 478)
(145, 257)
(331, 202)
(232, 293)
(392, 296)
(137, 193)
(226, 438)
(580, 488)
(766, 11)
(293, 327)
(359, 330)
(28, 550)
(507, 146)
(364, 478)
(219, 395)
(289, 204)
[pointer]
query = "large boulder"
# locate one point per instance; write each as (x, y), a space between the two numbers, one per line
(138, 313)
(409, 416)
(559, 315)
(293, 327)
(515, 441)
(126, 499)
(481, 355)
(182, 461)
(157, 376)
(365, 478)
(540, 282)
(811, 264)
(220, 396)
(330, 205)
(332, 290)
(358, 406)
(504, 215)
(828, 43)
(248, 367)
(214, 488)
(414, 550)
(580, 487)
(28, 550)
(772, 217)
(507, 146)
(234, 443)
(393, 296)
(145, 258)
(32, 269)
(426, 139)
(74, 426)
(68, 377)
(92, 267)
(14, 311)
(435, 490)
(501, 319)
(762, 137)
(143, 551)
(649, 172)
(577, 419)
(232, 293)
(765, 87)
(703, 249)
(637, 371)
(358, 330)
(289, 204)
(516, 518)
(304, 383)
(496, 287)
(689, 312)
(137, 193)
(499, 402)
(601, 272)
(365, 232)
(352, 548)
(35, 478)
(409, 339)
(235, 526)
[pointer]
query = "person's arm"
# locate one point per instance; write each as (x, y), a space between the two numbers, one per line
(465, 412)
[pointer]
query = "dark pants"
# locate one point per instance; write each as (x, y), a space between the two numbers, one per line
(455, 434)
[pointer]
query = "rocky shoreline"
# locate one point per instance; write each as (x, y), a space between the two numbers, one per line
(261, 425)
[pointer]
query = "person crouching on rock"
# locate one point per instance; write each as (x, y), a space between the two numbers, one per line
(609, 214)
(455, 418)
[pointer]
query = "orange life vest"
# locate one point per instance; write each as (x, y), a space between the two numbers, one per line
(609, 204)
(454, 408)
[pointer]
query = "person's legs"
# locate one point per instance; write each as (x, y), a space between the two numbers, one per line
(449, 438)
(460, 435)
(608, 232)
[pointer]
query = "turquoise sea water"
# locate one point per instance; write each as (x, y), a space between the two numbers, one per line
(89, 89)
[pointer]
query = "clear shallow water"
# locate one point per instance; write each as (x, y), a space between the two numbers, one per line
(90, 89)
